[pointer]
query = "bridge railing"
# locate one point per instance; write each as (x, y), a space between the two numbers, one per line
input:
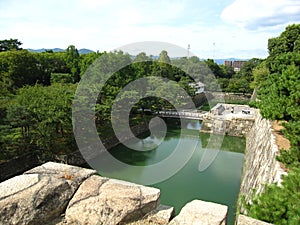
(185, 113)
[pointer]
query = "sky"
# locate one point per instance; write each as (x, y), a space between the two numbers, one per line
(212, 28)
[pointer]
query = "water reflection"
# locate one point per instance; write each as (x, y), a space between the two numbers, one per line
(219, 183)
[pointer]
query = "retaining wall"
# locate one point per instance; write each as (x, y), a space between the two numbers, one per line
(221, 120)
(20, 164)
(221, 96)
(260, 165)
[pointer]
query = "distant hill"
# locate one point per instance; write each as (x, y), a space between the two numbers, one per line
(81, 51)
(84, 51)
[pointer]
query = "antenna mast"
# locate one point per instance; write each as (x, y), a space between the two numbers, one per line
(214, 46)
(188, 55)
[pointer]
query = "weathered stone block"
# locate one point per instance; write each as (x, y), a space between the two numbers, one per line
(40, 195)
(201, 212)
(107, 201)
(72, 174)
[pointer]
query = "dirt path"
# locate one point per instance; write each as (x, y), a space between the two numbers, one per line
(281, 140)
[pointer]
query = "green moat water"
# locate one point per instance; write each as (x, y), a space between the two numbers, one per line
(219, 183)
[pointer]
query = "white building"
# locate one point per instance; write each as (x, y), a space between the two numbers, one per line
(199, 86)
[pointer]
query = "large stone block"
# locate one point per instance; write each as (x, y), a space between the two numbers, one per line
(40, 195)
(159, 216)
(102, 200)
(72, 174)
(200, 212)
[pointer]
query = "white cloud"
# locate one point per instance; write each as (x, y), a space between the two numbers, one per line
(257, 14)
(108, 24)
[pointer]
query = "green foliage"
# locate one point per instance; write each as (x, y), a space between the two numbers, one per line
(61, 78)
(227, 71)
(86, 60)
(239, 85)
(41, 116)
(214, 67)
(279, 204)
(280, 95)
(72, 57)
(260, 74)
(19, 68)
(8, 45)
(278, 83)
(164, 58)
(288, 41)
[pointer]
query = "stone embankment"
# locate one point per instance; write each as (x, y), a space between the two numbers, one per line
(22, 163)
(229, 119)
(260, 165)
(221, 96)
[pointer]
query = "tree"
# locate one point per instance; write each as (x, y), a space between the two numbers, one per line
(163, 66)
(214, 67)
(239, 85)
(288, 41)
(72, 57)
(164, 58)
(19, 68)
(279, 92)
(227, 71)
(42, 117)
(278, 83)
(279, 204)
(260, 74)
(8, 45)
(247, 68)
(86, 60)
(142, 65)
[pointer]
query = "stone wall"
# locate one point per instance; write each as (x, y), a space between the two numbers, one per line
(232, 127)
(221, 96)
(18, 165)
(76, 158)
(225, 122)
(260, 164)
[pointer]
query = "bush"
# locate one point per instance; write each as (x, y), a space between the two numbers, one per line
(279, 204)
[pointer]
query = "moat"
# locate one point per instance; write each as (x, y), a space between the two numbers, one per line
(219, 183)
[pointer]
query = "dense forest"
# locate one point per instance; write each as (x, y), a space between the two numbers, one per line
(37, 91)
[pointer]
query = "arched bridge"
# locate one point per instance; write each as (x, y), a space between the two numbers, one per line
(184, 114)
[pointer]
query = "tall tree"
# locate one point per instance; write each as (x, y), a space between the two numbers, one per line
(73, 58)
(163, 68)
(163, 57)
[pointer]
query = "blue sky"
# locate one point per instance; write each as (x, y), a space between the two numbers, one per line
(239, 28)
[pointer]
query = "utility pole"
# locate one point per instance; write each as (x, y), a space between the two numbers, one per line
(214, 46)
(188, 55)
(188, 51)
